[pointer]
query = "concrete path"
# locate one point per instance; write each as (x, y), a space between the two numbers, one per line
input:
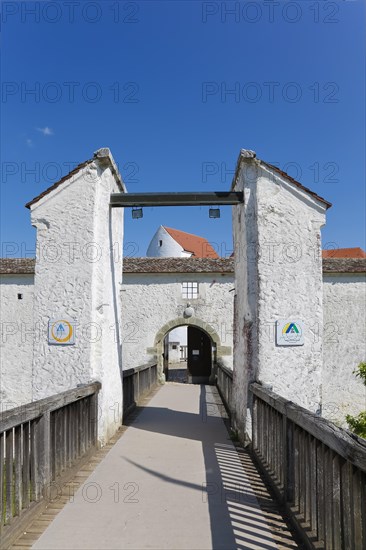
(172, 481)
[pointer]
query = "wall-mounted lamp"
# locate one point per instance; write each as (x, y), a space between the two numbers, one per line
(214, 213)
(137, 213)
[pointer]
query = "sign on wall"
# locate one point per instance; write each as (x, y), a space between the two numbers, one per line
(61, 331)
(289, 332)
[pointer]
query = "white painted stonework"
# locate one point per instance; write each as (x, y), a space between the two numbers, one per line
(278, 272)
(78, 271)
(344, 345)
(16, 339)
(150, 300)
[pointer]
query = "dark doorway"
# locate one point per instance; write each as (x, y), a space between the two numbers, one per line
(199, 361)
(166, 357)
(190, 363)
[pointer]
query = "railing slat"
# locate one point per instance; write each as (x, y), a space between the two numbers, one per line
(346, 503)
(320, 490)
(313, 473)
(357, 509)
(17, 470)
(26, 465)
(328, 497)
(308, 479)
(336, 479)
(2, 472)
(9, 441)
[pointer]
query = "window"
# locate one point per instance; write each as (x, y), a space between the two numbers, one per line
(20, 296)
(189, 290)
(160, 243)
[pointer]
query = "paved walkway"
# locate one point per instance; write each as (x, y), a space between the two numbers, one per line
(172, 481)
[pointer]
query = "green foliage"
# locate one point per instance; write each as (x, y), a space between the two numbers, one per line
(357, 423)
(234, 435)
(360, 372)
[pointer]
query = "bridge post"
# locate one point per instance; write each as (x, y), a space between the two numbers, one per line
(77, 287)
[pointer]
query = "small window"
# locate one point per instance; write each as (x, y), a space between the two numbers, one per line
(20, 296)
(160, 243)
(174, 346)
(190, 290)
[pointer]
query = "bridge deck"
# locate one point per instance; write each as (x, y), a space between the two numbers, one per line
(173, 480)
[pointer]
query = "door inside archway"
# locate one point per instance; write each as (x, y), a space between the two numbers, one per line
(199, 356)
(187, 355)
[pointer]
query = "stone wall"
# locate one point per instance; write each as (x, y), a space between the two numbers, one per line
(344, 345)
(16, 339)
(151, 300)
(278, 270)
(77, 276)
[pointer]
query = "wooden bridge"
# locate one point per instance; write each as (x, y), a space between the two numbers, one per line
(175, 476)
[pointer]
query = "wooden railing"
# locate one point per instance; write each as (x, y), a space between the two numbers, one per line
(39, 443)
(136, 383)
(224, 382)
(317, 470)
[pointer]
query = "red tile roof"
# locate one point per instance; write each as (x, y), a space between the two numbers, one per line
(198, 246)
(344, 253)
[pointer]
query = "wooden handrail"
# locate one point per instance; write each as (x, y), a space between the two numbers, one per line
(41, 442)
(316, 469)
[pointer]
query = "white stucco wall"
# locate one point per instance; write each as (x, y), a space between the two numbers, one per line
(278, 272)
(290, 287)
(169, 248)
(344, 345)
(78, 271)
(174, 354)
(150, 300)
(16, 340)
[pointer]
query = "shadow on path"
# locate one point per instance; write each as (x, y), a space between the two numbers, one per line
(242, 513)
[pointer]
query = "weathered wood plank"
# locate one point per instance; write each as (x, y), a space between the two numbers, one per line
(289, 466)
(9, 440)
(34, 485)
(336, 482)
(328, 497)
(18, 470)
(357, 509)
(308, 479)
(340, 441)
(320, 496)
(255, 424)
(26, 465)
(313, 472)
(2, 472)
(296, 468)
(302, 476)
(22, 414)
(346, 505)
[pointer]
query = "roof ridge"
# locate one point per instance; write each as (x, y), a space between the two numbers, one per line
(186, 232)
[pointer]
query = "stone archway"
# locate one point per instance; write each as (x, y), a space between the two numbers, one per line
(158, 348)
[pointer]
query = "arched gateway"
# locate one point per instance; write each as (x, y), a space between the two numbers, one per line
(218, 351)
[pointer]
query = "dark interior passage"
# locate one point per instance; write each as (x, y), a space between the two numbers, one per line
(194, 366)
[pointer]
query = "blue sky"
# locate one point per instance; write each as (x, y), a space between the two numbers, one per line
(175, 89)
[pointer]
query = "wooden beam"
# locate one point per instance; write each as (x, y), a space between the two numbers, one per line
(219, 198)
